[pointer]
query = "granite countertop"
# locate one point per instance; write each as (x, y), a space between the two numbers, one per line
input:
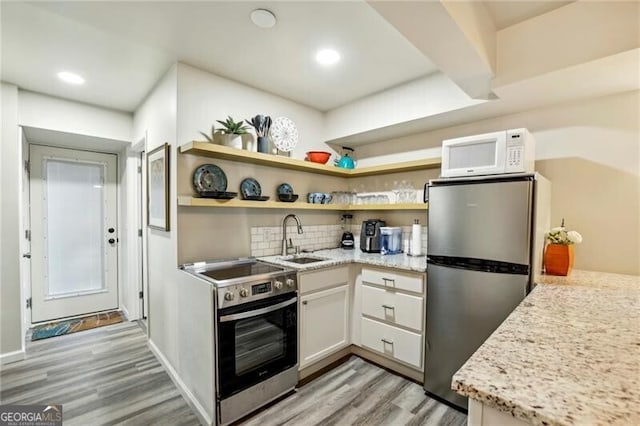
(334, 257)
(568, 354)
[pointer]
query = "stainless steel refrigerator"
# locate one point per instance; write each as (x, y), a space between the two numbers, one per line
(485, 244)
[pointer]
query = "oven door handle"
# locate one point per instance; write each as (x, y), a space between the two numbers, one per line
(257, 312)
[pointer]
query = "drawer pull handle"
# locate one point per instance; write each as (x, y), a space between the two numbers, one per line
(386, 341)
(389, 280)
(388, 307)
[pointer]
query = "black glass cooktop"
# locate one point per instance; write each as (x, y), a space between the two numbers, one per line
(242, 270)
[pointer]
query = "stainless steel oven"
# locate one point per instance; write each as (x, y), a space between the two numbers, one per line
(256, 332)
(255, 342)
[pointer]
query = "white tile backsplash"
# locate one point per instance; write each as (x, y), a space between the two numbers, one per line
(267, 240)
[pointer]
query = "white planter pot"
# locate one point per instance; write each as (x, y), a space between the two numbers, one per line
(233, 141)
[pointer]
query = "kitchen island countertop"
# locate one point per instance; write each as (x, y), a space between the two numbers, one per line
(334, 257)
(568, 354)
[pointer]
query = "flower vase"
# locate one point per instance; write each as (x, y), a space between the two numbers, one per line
(558, 259)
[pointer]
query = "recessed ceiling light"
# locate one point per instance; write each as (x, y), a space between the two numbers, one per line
(263, 18)
(71, 78)
(327, 56)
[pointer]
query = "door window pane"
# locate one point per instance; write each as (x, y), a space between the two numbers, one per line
(74, 227)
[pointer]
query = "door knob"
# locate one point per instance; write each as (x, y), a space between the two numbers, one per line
(111, 230)
(112, 240)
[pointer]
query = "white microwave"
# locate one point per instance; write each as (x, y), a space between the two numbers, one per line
(507, 151)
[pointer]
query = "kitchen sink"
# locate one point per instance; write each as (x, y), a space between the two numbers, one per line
(304, 260)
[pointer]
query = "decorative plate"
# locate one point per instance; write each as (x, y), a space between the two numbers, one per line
(219, 195)
(256, 197)
(284, 134)
(285, 188)
(288, 198)
(209, 177)
(250, 188)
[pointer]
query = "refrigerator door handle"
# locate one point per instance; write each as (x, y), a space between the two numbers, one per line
(425, 193)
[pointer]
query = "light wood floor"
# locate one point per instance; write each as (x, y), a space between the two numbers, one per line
(358, 393)
(106, 375)
(109, 376)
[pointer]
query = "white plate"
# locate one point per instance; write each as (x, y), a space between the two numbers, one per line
(284, 134)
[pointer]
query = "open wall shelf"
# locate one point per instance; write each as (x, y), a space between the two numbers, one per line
(189, 201)
(207, 149)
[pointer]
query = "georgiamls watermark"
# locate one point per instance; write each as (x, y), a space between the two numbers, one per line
(30, 415)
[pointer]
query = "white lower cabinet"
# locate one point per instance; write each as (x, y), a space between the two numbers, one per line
(403, 345)
(324, 323)
(392, 312)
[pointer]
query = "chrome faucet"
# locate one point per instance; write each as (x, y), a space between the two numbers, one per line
(287, 244)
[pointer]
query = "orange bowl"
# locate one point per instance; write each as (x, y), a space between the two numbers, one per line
(318, 156)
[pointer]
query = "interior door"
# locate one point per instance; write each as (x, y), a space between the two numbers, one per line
(74, 240)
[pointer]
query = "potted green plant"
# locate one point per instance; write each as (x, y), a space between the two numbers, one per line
(231, 132)
(211, 137)
(558, 254)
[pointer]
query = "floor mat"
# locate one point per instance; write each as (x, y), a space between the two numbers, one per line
(60, 328)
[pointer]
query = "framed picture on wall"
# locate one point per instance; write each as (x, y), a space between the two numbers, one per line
(158, 188)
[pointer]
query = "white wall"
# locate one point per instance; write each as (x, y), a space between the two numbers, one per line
(180, 306)
(46, 112)
(11, 339)
(589, 149)
(431, 95)
(157, 117)
(204, 98)
(577, 33)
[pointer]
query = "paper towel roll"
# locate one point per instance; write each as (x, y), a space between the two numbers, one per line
(416, 239)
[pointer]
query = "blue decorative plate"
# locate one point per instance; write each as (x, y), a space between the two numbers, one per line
(250, 188)
(284, 188)
(208, 178)
(218, 195)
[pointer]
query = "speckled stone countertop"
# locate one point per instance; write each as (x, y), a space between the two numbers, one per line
(333, 257)
(568, 354)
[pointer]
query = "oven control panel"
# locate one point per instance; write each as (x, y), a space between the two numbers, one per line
(251, 291)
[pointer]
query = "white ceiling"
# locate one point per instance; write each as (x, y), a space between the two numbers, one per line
(506, 13)
(123, 48)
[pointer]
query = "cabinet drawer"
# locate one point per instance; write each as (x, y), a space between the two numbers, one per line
(322, 279)
(402, 345)
(394, 280)
(399, 308)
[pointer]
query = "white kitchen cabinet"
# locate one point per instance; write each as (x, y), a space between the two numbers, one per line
(324, 323)
(389, 305)
(403, 345)
(392, 312)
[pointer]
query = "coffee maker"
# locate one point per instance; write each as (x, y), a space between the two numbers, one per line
(347, 241)
(370, 235)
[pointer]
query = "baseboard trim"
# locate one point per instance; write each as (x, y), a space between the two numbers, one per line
(201, 413)
(389, 364)
(10, 357)
(311, 372)
(125, 312)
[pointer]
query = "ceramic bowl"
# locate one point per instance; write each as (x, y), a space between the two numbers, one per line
(318, 156)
